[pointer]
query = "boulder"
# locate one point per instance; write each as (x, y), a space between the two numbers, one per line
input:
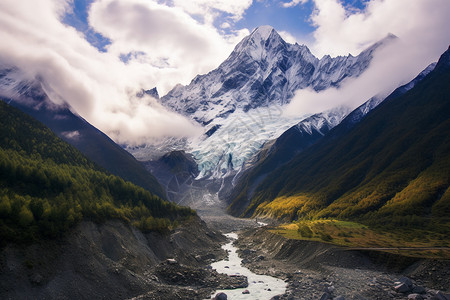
(415, 297)
(419, 290)
(402, 288)
(441, 296)
(406, 281)
(221, 296)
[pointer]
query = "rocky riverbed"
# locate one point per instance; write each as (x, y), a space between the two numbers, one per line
(315, 270)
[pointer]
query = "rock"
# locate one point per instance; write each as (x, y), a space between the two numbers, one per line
(261, 257)
(415, 297)
(441, 296)
(246, 292)
(221, 296)
(171, 261)
(406, 281)
(330, 289)
(419, 290)
(325, 296)
(402, 288)
(339, 298)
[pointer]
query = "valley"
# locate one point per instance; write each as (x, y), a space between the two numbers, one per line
(303, 177)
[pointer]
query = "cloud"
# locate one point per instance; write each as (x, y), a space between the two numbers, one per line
(423, 34)
(340, 31)
(168, 38)
(167, 46)
(293, 3)
(209, 8)
(286, 36)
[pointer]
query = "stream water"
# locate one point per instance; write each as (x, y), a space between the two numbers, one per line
(261, 287)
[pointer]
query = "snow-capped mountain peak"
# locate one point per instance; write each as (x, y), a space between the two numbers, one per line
(262, 70)
(239, 102)
(259, 43)
(263, 32)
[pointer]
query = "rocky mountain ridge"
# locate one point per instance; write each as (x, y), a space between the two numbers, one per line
(263, 70)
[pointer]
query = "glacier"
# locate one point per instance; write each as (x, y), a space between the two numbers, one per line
(240, 103)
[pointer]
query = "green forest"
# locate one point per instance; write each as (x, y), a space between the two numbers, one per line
(47, 186)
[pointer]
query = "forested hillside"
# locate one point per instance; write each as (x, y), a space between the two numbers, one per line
(392, 169)
(47, 186)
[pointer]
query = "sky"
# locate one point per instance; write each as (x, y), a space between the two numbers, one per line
(97, 54)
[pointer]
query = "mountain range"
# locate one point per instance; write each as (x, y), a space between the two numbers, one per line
(262, 70)
(390, 168)
(240, 102)
(307, 132)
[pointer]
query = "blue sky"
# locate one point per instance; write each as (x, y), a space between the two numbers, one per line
(78, 18)
(294, 20)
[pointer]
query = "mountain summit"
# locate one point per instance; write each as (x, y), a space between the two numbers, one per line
(262, 70)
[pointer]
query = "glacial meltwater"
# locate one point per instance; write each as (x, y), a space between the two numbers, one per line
(261, 287)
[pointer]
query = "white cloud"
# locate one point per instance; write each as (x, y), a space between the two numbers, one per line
(97, 85)
(293, 3)
(422, 28)
(171, 46)
(168, 37)
(208, 8)
(287, 37)
(225, 25)
(340, 31)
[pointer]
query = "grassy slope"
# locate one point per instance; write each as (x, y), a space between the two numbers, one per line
(422, 243)
(392, 169)
(47, 186)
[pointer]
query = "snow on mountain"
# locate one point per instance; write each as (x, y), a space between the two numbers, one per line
(238, 138)
(262, 70)
(239, 103)
(32, 92)
(324, 121)
(359, 113)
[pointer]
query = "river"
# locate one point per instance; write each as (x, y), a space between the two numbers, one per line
(261, 287)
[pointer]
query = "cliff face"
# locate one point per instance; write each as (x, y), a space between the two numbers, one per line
(107, 261)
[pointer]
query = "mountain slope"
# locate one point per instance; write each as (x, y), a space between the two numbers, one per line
(240, 102)
(278, 152)
(47, 186)
(300, 137)
(30, 96)
(262, 70)
(396, 162)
